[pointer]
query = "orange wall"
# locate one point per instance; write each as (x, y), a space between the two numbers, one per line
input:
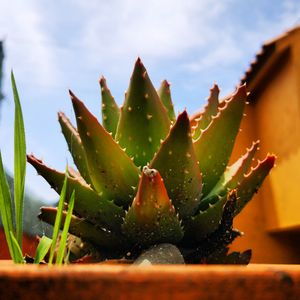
(29, 245)
(278, 125)
(266, 247)
(274, 119)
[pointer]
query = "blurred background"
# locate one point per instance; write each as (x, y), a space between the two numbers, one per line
(56, 45)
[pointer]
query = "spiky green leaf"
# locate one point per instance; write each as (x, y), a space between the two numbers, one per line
(218, 239)
(233, 258)
(206, 222)
(177, 164)
(110, 109)
(214, 146)
(252, 182)
(202, 120)
(164, 94)
(152, 218)
(75, 146)
(82, 228)
(235, 173)
(112, 172)
(94, 207)
(144, 121)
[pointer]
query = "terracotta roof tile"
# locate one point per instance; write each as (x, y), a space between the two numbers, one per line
(263, 55)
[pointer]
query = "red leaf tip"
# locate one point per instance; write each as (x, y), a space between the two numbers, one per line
(215, 88)
(183, 116)
(166, 83)
(102, 81)
(270, 159)
(139, 61)
(71, 93)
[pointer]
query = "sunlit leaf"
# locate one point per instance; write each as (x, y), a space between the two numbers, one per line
(18, 256)
(6, 210)
(58, 219)
(19, 162)
(64, 234)
(42, 249)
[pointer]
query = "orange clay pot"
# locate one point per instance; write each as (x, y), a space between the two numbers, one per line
(98, 281)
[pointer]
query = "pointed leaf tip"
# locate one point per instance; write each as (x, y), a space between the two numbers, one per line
(152, 218)
(202, 119)
(102, 81)
(177, 164)
(72, 95)
(110, 177)
(270, 161)
(75, 146)
(164, 94)
(234, 174)
(142, 109)
(214, 146)
(252, 181)
(151, 178)
(88, 203)
(215, 88)
(110, 109)
(183, 117)
(166, 83)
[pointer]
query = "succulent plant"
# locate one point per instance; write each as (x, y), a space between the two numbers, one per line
(146, 177)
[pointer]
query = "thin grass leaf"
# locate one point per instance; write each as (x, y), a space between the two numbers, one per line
(64, 234)
(6, 210)
(42, 249)
(19, 162)
(17, 250)
(58, 219)
(67, 257)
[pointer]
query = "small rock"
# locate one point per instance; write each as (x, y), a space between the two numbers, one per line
(160, 254)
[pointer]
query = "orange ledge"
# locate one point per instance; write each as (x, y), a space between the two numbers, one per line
(151, 282)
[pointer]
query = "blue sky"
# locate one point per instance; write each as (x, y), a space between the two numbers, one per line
(56, 45)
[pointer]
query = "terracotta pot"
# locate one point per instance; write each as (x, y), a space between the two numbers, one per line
(150, 282)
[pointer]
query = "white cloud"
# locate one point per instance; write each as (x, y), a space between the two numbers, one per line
(156, 29)
(291, 14)
(223, 53)
(112, 33)
(27, 42)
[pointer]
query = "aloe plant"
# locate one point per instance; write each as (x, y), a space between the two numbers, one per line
(146, 177)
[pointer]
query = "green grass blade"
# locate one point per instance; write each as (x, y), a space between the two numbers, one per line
(18, 252)
(42, 249)
(67, 258)
(19, 163)
(63, 238)
(6, 210)
(58, 218)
